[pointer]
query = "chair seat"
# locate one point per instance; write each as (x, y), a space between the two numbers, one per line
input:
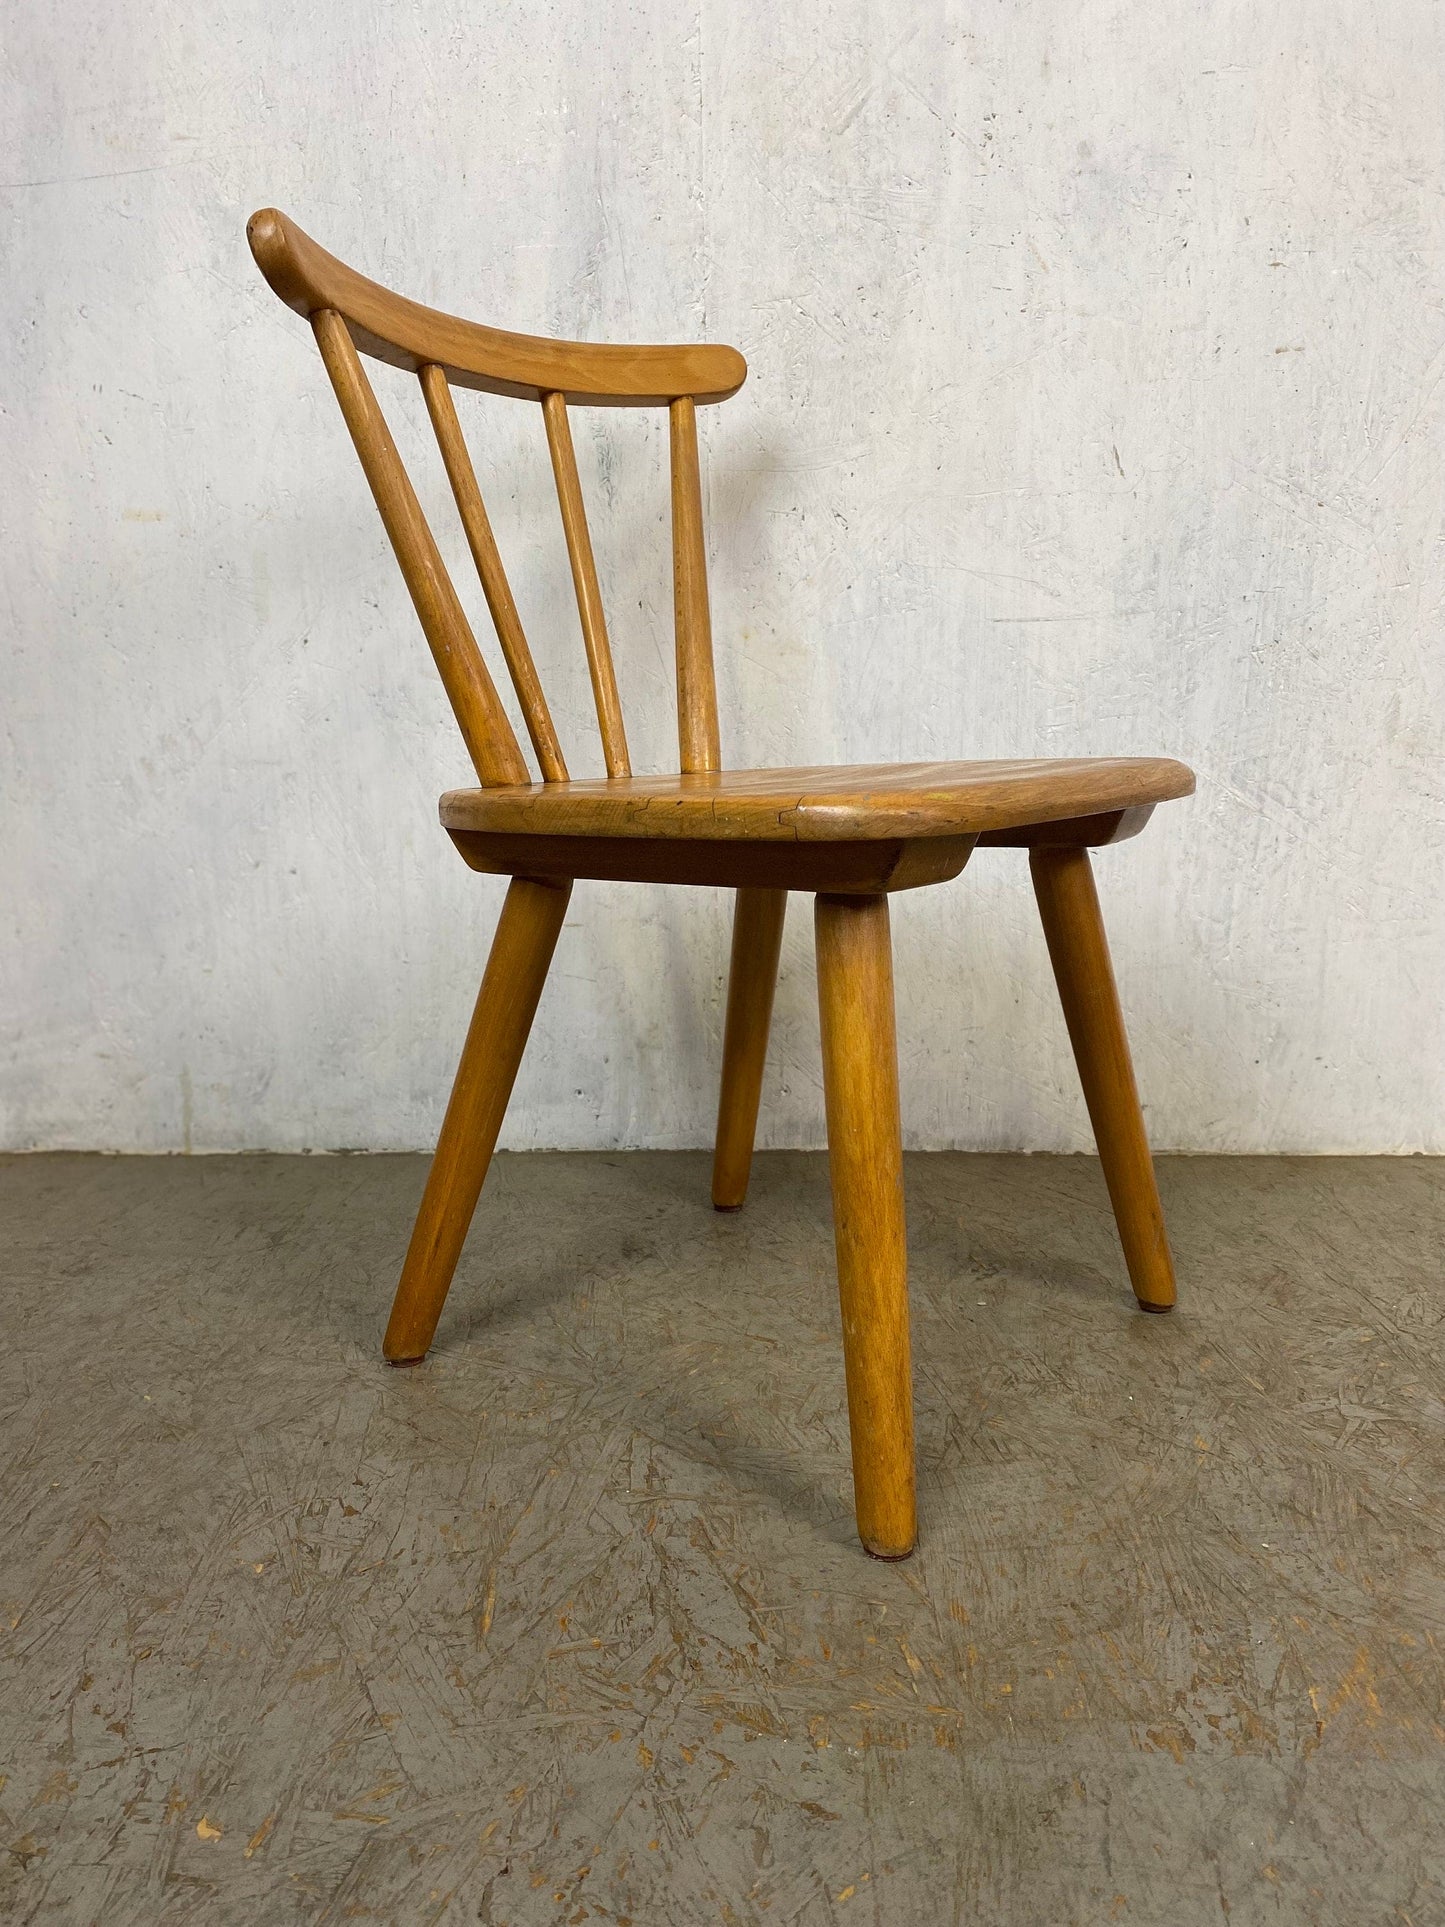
(883, 802)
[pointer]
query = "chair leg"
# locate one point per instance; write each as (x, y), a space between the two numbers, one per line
(860, 1082)
(511, 986)
(1079, 951)
(752, 978)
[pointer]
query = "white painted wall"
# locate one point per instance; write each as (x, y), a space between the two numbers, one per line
(1096, 405)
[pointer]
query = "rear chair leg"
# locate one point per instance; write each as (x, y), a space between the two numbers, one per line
(752, 978)
(1079, 951)
(860, 1083)
(516, 970)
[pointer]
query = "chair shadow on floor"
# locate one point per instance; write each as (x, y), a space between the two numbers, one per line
(638, 1263)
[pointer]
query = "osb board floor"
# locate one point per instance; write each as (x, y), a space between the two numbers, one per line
(570, 1623)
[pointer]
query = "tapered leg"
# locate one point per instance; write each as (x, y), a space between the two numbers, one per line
(860, 1083)
(1069, 906)
(752, 978)
(516, 970)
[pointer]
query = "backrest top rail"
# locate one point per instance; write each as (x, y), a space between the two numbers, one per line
(408, 335)
(351, 316)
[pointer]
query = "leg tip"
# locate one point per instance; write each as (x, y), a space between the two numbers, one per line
(401, 1364)
(890, 1553)
(1144, 1305)
(719, 1205)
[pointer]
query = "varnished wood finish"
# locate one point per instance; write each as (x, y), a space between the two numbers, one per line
(506, 1004)
(697, 730)
(1079, 951)
(752, 977)
(479, 713)
(865, 1161)
(1080, 832)
(824, 805)
(850, 836)
(864, 865)
(390, 328)
(584, 581)
(495, 586)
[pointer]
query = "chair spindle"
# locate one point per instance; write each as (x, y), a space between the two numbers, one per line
(584, 580)
(496, 588)
(480, 717)
(697, 731)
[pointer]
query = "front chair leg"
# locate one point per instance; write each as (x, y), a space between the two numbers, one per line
(1079, 951)
(860, 1083)
(752, 979)
(516, 970)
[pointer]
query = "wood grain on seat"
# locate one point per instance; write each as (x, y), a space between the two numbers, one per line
(882, 801)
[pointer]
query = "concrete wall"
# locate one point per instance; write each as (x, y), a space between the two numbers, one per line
(1096, 406)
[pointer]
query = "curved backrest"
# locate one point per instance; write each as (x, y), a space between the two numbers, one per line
(352, 316)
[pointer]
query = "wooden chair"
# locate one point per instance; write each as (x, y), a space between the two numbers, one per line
(849, 835)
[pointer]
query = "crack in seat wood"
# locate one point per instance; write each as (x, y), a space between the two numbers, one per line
(849, 836)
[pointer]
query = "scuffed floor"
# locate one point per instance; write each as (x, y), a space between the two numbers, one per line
(570, 1623)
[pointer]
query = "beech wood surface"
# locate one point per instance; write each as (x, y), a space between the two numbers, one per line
(870, 865)
(752, 977)
(698, 743)
(1079, 952)
(473, 696)
(584, 581)
(865, 1161)
(829, 804)
(495, 586)
(391, 328)
(1087, 832)
(506, 1004)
